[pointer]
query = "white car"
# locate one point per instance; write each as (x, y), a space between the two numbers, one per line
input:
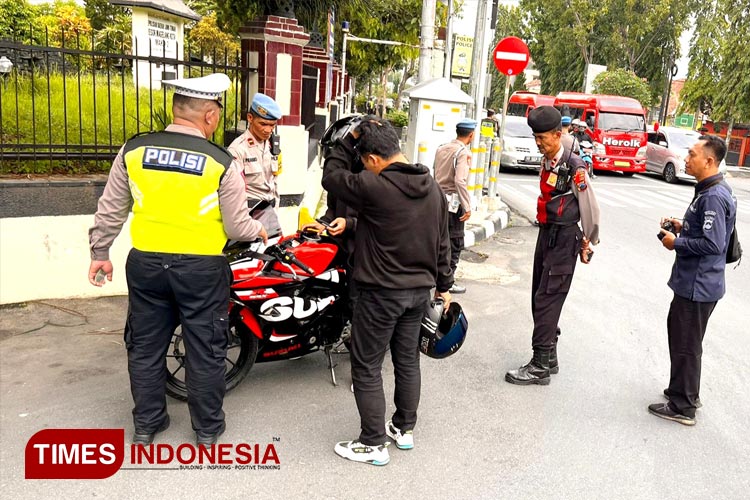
(519, 148)
(666, 152)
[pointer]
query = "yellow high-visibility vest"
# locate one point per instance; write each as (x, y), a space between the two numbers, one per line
(174, 180)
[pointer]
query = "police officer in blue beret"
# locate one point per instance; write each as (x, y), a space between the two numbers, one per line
(452, 165)
(258, 152)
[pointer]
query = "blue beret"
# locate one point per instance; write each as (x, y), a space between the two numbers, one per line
(265, 107)
(467, 124)
(566, 120)
(543, 119)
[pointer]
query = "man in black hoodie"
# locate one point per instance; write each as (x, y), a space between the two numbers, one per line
(402, 250)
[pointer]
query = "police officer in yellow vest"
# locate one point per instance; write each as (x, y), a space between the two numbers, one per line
(260, 159)
(187, 200)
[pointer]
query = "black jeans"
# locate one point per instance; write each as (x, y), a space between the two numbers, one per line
(165, 291)
(555, 260)
(384, 317)
(456, 233)
(686, 327)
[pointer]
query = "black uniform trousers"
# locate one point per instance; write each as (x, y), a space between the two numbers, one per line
(167, 291)
(555, 257)
(386, 317)
(456, 233)
(686, 327)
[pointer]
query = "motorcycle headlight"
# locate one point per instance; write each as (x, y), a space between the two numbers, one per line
(641, 153)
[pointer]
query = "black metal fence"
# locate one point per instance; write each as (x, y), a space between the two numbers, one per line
(70, 107)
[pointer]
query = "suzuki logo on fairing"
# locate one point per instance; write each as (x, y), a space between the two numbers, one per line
(630, 143)
(283, 308)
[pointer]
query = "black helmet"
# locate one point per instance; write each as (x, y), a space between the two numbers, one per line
(336, 131)
(442, 332)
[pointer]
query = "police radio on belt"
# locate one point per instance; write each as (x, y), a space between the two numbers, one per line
(275, 143)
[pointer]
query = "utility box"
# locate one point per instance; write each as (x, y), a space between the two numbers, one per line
(435, 107)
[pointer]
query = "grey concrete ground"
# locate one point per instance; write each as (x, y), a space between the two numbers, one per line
(587, 435)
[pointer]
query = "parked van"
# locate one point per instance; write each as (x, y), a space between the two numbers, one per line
(521, 102)
(618, 126)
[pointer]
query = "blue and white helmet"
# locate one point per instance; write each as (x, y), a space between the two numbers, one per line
(442, 332)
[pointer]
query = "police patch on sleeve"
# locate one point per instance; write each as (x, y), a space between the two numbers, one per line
(580, 180)
(708, 222)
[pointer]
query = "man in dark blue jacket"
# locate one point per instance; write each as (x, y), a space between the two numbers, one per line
(401, 250)
(700, 242)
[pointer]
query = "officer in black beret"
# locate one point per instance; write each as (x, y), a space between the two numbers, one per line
(566, 198)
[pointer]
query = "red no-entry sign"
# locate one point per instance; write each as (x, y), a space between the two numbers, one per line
(511, 56)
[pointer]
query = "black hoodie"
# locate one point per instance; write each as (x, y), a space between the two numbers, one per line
(401, 239)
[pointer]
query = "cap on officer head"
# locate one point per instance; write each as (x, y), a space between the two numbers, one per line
(544, 119)
(565, 121)
(576, 122)
(466, 124)
(265, 107)
(210, 87)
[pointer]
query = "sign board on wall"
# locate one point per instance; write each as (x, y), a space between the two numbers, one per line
(162, 35)
(461, 63)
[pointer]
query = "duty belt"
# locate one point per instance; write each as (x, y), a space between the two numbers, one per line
(251, 202)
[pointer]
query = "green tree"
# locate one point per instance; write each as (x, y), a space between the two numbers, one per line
(718, 77)
(212, 40)
(625, 83)
(639, 35)
(101, 13)
(16, 20)
(519, 83)
(64, 22)
(232, 14)
(202, 7)
(732, 99)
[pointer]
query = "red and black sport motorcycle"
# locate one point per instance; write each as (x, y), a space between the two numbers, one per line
(288, 300)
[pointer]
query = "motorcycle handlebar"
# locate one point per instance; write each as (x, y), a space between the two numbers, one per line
(287, 257)
(294, 260)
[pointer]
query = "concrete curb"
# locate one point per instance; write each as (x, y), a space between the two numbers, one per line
(738, 171)
(484, 228)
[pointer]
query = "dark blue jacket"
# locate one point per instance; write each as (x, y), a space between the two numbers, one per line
(701, 247)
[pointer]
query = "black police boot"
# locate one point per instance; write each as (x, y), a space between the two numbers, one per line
(535, 371)
(554, 366)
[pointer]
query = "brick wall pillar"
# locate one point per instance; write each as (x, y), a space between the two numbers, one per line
(275, 44)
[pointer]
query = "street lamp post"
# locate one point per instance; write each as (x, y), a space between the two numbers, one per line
(6, 65)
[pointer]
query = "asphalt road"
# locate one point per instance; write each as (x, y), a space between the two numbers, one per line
(587, 435)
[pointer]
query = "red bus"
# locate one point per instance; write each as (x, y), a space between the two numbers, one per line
(521, 102)
(618, 126)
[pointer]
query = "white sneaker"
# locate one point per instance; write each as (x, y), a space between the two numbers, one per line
(404, 440)
(358, 452)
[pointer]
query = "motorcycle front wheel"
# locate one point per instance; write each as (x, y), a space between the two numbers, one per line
(241, 353)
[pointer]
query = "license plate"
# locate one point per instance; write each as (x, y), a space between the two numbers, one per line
(622, 164)
(533, 159)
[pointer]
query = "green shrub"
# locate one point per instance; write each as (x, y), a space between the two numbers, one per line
(398, 118)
